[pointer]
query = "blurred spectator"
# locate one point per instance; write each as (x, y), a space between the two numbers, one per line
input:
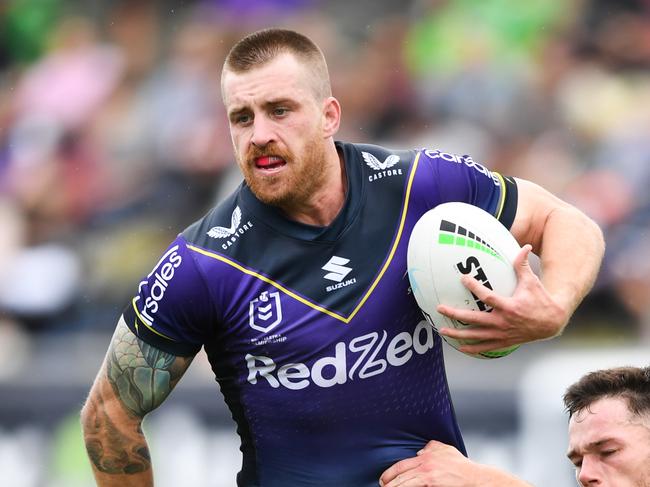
(186, 121)
(112, 131)
(51, 172)
(113, 136)
(605, 99)
(25, 26)
(53, 185)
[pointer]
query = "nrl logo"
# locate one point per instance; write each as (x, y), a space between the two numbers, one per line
(265, 312)
(383, 169)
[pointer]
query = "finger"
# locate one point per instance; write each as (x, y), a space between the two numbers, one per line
(469, 316)
(482, 292)
(477, 340)
(399, 468)
(432, 446)
(436, 451)
(521, 264)
(406, 479)
(477, 335)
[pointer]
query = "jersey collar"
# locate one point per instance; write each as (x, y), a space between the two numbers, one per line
(274, 218)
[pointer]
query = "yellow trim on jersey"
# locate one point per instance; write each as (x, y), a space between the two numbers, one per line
(267, 280)
(397, 238)
(502, 197)
(145, 323)
(317, 307)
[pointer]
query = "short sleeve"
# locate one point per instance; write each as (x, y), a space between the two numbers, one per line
(452, 177)
(172, 309)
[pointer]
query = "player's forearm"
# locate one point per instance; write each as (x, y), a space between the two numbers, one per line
(571, 253)
(116, 446)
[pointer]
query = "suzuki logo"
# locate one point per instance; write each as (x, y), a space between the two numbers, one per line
(262, 311)
(336, 269)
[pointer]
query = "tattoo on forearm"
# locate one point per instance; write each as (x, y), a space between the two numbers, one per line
(113, 450)
(142, 377)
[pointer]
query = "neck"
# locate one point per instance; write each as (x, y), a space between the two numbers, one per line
(325, 204)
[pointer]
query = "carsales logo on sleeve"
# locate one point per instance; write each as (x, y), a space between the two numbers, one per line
(162, 274)
(467, 160)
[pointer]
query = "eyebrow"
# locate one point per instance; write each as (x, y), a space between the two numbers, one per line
(279, 101)
(268, 104)
(236, 111)
(571, 454)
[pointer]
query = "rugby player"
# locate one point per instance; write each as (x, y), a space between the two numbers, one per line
(296, 287)
(609, 427)
(609, 440)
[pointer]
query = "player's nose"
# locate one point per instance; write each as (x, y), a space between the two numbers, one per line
(589, 475)
(263, 132)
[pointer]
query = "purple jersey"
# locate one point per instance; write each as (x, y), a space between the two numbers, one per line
(321, 352)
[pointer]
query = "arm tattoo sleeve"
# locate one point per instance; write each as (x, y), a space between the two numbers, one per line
(142, 376)
(113, 452)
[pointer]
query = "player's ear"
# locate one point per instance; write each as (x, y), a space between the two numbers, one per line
(331, 116)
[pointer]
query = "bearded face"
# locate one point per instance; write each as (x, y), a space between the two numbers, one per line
(281, 130)
(279, 177)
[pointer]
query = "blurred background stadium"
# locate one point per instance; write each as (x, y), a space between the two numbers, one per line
(113, 139)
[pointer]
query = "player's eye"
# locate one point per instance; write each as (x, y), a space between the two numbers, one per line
(608, 453)
(280, 111)
(243, 119)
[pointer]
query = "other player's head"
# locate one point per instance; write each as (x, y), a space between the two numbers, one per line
(276, 90)
(609, 427)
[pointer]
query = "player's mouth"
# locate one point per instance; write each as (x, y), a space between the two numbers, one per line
(269, 163)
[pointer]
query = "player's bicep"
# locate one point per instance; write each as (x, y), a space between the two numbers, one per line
(534, 206)
(141, 375)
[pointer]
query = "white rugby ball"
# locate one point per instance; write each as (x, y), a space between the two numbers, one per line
(448, 241)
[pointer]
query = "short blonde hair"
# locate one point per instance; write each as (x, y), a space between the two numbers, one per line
(263, 46)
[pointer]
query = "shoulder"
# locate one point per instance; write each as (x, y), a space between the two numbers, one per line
(220, 222)
(455, 162)
(377, 157)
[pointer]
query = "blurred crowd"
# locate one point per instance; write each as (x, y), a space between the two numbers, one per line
(113, 136)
